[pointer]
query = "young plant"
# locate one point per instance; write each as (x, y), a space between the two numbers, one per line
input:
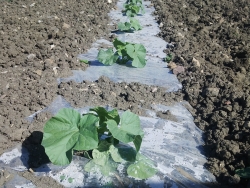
(133, 24)
(244, 173)
(168, 58)
(125, 52)
(84, 61)
(98, 135)
(133, 7)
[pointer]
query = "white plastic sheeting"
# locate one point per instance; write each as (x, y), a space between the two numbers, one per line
(175, 148)
(154, 73)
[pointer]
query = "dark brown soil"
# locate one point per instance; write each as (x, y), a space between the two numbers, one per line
(40, 42)
(211, 40)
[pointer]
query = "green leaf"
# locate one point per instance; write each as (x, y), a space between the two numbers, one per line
(100, 158)
(135, 24)
(115, 154)
(129, 130)
(137, 142)
(66, 131)
(244, 173)
(105, 115)
(88, 136)
(60, 135)
(127, 153)
(84, 61)
(120, 47)
(110, 167)
(107, 57)
(138, 53)
(62, 177)
(142, 168)
(70, 180)
(89, 166)
(124, 26)
(103, 146)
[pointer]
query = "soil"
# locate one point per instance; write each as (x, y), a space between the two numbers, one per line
(40, 41)
(211, 40)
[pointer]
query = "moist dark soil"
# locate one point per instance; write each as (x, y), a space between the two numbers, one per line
(40, 41)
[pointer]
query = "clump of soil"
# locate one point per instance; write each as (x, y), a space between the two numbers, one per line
(122, 96)
(211, 40)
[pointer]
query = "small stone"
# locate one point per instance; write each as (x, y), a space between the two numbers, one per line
(196, 62)
(247, 124)
(212, 92)
(113, 93)
(31, 56)
(154, 90)
(172, 65)
(38, 72)
(161, 25)
(178, 70)
(66, 26)
(55, 70)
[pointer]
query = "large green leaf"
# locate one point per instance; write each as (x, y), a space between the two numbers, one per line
(143, 168)
(64, 132)
(244, 173)
(107, 57)
(114, 152)
(88, 136)
(129, 130)
(138, 53)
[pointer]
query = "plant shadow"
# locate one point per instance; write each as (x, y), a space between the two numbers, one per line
(32, 147)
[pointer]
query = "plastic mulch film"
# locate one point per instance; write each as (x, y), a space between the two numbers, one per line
(154, 73)
(175, 147)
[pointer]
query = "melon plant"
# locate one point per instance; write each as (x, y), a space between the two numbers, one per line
(125, 52)
(102, 136)
(133, 7)
(132, 25)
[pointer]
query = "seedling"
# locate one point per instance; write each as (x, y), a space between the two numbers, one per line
(84, 61)
(168, 58)
(133, 8)
(133, 24)
(244, 173)
(103, 135)
(124, 53)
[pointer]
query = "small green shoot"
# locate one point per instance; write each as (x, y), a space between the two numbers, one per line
(168, 58)
(62, 177)
(70, 180)
(84, 61)
(99, 132)
(134, 7)
(125, 52)
(244, 173)
(132, 25)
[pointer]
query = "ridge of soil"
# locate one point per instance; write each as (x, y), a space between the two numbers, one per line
(211, 40)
